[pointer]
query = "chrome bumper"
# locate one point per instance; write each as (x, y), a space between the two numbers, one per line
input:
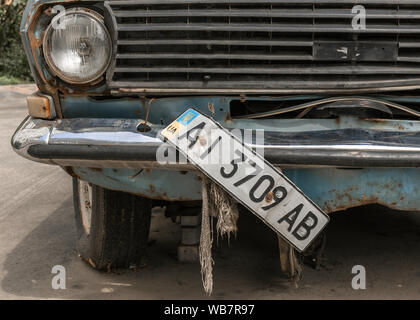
(116, 143)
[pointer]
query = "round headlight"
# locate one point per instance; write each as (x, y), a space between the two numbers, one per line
(77, 45)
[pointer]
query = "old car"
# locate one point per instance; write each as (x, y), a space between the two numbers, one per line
(339, 104)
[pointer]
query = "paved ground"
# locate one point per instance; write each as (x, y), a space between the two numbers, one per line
(37, 232)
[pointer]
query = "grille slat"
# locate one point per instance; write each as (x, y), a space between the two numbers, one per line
(287, 43)
(299, 13)
(273, 45)
(409, 59)
(255, 85)
(286, 70)
(281, 2)
(296, 28)
(213, 56)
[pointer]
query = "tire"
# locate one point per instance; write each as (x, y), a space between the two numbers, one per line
(112, 226)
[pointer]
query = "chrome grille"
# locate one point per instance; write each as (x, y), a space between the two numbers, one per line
(263, 46)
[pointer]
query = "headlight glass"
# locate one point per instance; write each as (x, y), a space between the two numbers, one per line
(77, 46)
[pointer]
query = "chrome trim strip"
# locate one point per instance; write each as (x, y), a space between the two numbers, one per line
(71, 137)
(350, 148)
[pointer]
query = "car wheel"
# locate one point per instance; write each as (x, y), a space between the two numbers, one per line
(112, 226)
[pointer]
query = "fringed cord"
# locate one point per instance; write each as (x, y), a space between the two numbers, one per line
(206, 241)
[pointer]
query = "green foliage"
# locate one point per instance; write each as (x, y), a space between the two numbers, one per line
(8, 80)
(13, 62)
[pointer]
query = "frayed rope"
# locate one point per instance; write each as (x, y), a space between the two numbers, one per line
(218, 204)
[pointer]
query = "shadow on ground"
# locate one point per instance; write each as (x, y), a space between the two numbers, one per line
(51, 243)
(385, 242)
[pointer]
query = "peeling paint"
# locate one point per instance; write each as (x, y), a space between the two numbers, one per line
(332, 189)
(154, 184)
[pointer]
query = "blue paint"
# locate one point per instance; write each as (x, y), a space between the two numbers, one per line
(156, 184)
(162, 110)
(332, 189)
(165, 110)
(335, 189)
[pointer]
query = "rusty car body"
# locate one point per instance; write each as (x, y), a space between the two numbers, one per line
(344, 127)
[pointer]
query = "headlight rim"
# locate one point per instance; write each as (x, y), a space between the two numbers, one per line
(46, 46)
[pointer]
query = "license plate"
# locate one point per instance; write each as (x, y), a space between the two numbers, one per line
(247, 177)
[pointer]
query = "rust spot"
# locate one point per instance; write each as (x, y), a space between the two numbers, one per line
(35, 44)
(48, 11)
(269, 197)
(96, 169)
(211, 108)
(70, 171)
(375, 120)
(152, 188)
(344, 200)
(332, 206)
(163, 197)
(228, 117)
(183, 172)
(243, 98)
